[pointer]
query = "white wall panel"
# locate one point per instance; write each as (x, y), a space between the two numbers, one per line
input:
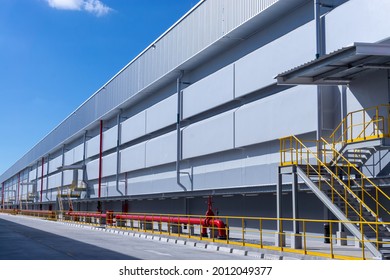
(68, 157)
(259, 68)
(161, 150)
(78, 153)
(209, 136)
(291, 112)
(74, 155)
(93, 169)
(55, 163)
(68, 177)
(109, 165)
(357, 21)
(133, 127)
(32, 174)
(55, 181)
(93, 146)
(133, 158)
(40, 168)
(110, 138)
(214, 90)
(162, 114)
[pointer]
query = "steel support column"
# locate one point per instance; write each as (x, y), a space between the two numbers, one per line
(280, 237)
(296, 238)
(295, 209)
(279, 197)
(317, 18)
(100, 165)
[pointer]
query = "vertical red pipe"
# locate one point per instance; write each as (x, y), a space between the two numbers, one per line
(18, 195)
(43, 162)
(100, 159)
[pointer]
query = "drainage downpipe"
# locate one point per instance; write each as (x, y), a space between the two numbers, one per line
(118, 121)
(100, 164)
(178, 130)
(84, 170)
(317, 18)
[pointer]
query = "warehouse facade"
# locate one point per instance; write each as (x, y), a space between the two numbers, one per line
(201, 110)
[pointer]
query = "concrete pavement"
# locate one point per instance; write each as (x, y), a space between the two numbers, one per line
(25, 238)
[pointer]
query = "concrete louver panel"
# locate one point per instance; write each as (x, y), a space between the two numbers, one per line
(55, 180)
(257, 70)
(214, 90)
(212, 135)
(93, 146)
(277, 116)
(109, 164)
(161, 150)
(162, 114)
(110, 138)
(32, 174)
(133, 158)
(74, 155)
(133, 127)
(93, 169)
(68, 177)
(55, 163)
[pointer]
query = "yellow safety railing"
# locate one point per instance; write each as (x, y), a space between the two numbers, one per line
(354, 184)
(364, 184)
(250, 232)
(363, 125)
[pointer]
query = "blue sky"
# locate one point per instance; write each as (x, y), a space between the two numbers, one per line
(54, 54)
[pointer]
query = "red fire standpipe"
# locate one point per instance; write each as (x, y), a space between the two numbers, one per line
(208, 222)
(209, 214)
(110, 218)
(100, 164)
(43, 162)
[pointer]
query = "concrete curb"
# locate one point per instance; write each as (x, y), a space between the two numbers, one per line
(225, 249)
(240, 252)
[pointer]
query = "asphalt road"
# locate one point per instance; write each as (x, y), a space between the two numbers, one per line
(25, 238)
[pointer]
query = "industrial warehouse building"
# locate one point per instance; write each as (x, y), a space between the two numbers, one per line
(201, 111)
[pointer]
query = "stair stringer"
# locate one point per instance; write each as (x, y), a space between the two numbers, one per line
(338, 213)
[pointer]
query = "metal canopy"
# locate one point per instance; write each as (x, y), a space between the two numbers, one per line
(339, 67)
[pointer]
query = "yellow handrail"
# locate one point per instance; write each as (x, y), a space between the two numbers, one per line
(347, 127)
(364, 177)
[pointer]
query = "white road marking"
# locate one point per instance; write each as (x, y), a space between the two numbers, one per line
(158, 253)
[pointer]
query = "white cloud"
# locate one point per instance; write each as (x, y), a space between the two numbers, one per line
(95, 7)
(65, 4)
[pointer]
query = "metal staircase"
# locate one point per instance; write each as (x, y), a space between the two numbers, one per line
(332, 170)
(69, 192)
